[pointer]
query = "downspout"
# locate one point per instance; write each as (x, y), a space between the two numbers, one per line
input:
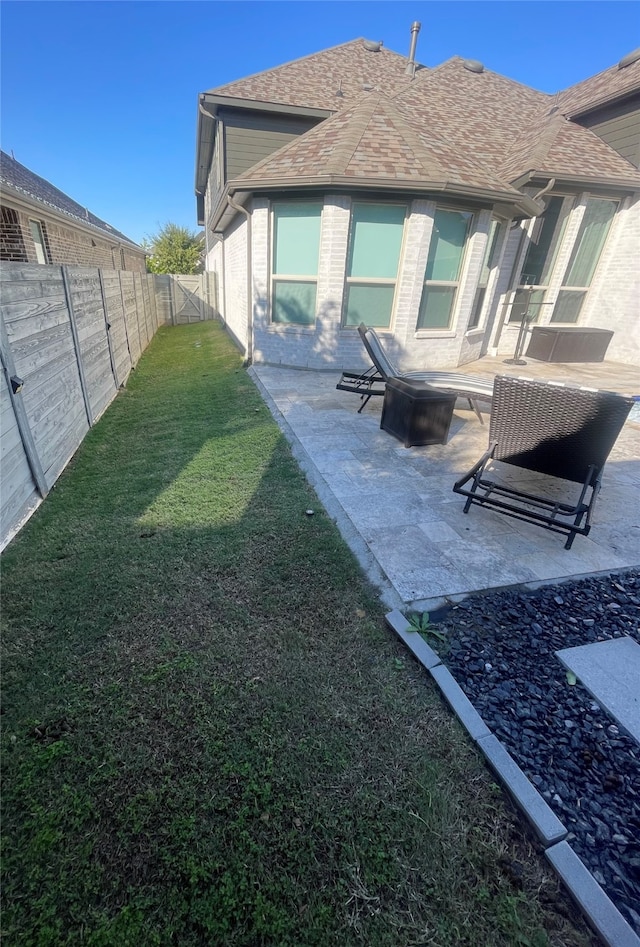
(243, 210)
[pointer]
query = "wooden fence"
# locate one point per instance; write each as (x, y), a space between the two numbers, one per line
(69, 338)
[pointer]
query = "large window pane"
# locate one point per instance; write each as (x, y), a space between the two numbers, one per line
(294, 303)
(296, 237)
(435, 307)
(447, 245)
(568, 306)
(589, 242)
(544, 242)
(375, 244)
(369, 304)
(376, 240)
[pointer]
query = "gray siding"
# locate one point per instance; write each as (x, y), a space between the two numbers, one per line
(251, 136)
(619, 126)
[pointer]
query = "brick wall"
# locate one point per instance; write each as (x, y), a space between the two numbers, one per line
(612, 302)
(64, 242)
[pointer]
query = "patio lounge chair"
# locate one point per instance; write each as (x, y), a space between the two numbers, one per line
(560, 431)
(471, 387)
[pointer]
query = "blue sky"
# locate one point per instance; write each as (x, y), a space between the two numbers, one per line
(100, 98)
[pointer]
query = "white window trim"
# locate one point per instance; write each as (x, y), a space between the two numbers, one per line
(374, 280)
(290, 326)
(449, 331)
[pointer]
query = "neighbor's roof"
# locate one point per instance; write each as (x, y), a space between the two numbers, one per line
(455, 127)
(14, 176)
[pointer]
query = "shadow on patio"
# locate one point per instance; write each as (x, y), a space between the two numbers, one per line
(396, 508)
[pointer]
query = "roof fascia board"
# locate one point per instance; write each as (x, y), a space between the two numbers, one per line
(576, 183)
(205, 138)
(30, 204)
(605, 100)
(342, 181)
(517, 205)
(254, 105)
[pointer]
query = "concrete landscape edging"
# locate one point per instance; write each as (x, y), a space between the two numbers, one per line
(598, 909)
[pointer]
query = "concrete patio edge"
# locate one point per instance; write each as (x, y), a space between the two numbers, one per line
(597, 908)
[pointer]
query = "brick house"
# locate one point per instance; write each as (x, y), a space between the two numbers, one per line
(41, 224)
(440, 205)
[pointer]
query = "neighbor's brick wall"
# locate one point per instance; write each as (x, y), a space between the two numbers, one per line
(66, 244)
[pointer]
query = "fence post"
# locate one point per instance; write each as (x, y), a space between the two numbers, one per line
(20, 412)
(107, 326)
(124, 319)
(76, 345)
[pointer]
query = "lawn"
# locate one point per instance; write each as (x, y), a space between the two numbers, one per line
(209, 735)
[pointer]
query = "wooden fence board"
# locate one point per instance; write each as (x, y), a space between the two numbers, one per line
(72, 334)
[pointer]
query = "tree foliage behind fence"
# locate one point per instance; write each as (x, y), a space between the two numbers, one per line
(69, 337)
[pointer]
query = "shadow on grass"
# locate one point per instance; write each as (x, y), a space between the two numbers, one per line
(208, 735)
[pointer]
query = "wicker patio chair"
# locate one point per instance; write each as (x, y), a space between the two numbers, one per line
(471, 387)
(563, 432)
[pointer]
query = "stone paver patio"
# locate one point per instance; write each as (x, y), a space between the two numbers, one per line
(396, 509)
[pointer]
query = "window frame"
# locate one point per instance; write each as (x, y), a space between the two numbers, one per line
(575, 289)
(452, 284)
(41, 244)
(488, 264)
(372, 281)
(539, 290)
(275, 277)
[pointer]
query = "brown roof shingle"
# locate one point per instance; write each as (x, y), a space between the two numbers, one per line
(606, 86)
(449, 127)
(315, 81)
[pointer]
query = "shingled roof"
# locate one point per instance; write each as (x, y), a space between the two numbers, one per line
(608, 86)
(330, 79)
(15, 177)
(457, 128)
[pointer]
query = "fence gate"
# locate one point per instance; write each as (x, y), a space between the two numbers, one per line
(188, 301)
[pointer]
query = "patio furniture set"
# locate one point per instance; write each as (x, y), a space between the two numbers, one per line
(558, 432)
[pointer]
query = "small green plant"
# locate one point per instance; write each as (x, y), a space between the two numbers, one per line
(419, 621)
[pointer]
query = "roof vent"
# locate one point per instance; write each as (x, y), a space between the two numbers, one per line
(367, 87)
(411, 63)
(473, 65)
(629, 59)
(372, 46)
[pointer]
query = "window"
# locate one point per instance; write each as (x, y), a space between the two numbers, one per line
(11, 243)
(294, 269)
(372, 263)
(487, 263)
(594, 228)
(39, 239)
(442, 275)
(544, 241)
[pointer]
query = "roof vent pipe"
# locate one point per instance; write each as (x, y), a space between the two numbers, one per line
(411, 65)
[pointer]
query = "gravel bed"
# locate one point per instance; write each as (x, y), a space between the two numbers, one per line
(500, 648)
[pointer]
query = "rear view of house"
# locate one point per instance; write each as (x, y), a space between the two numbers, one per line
(443, 206)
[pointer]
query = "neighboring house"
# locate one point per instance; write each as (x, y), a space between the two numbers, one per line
(438, 205)
(40, 224)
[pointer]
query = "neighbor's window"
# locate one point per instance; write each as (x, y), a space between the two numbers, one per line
(38, 234)
(487, 265)
(593, 232)
(294, 268)
(544, 242)
(372, 264)
(442, 275)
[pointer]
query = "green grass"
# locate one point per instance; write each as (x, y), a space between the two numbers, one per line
(209, 736)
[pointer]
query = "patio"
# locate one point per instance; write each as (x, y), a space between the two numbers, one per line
(395, 506)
